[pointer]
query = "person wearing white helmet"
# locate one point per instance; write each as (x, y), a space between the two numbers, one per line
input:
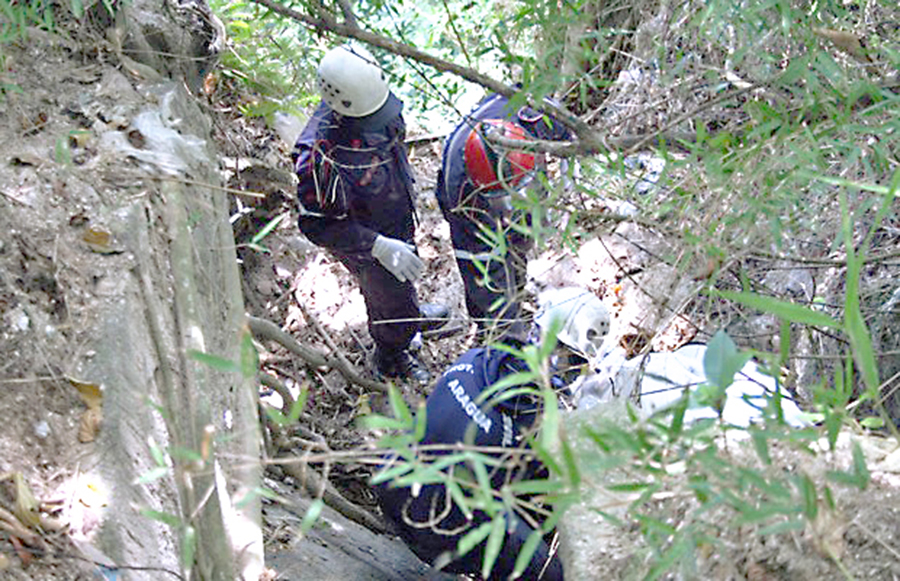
(356, 198)
(581, 319)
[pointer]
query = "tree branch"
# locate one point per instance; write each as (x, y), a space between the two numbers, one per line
(263, 329)
(349, 16)
(590, 141)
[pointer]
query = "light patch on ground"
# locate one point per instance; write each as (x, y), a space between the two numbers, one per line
(323, 290)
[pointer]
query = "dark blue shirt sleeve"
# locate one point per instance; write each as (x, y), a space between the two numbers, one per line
(325, 215)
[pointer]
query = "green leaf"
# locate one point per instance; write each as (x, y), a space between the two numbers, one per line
(249, 355)
(421, 422)
(722, 360)
(526, 553)
(214, 361)
(188, 546)
(784, 343)
(782, 309)
(459, 498)
(152, 475)
(267, 229)
(296, 409)
(782, 527)
(854, 324)
(809, 496)
(503, 385)
(550, 422)
(399, 407)
(860, 469)
(312, 515)
(391, 473)
(572, 472)
(674, 553)
(157, 453)
(629, 486)
(678, 410)
(258, 248)
(377, 422)
(163, 517)
(494, 544)
(761, 445)
(481, 474)
(265, 492)
(872, 423)
(472, 538)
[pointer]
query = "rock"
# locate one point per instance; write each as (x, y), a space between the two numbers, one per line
(337, 549)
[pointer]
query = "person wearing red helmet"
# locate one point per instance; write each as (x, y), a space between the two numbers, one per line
(473, 190)
(356, 198)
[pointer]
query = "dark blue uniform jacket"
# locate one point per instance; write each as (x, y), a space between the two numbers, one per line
(454, 416)
(355, 179)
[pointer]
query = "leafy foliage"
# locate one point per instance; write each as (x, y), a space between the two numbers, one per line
(267, 57)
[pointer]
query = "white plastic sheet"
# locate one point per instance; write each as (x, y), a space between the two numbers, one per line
(657, 381)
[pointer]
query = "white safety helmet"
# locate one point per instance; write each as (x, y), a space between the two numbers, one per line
(351, 82)
(583, 319)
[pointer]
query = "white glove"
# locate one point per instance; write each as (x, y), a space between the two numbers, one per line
(398, 258)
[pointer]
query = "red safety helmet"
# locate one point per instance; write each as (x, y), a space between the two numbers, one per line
(490, 165)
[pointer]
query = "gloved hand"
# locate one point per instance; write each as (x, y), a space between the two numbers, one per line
(398, 258)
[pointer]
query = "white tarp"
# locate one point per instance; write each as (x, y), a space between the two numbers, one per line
(656, 381)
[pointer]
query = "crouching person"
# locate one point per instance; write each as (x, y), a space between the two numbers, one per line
(464, 409)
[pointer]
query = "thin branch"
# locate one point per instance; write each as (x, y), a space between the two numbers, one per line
(459, 39)
(324, 335)
(590, 140)
(272, 382)
(320, 487)
(347, 11)
(263, 329)
(824, 261)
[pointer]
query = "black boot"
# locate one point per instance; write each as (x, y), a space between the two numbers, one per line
(401, 365)
(432, 316)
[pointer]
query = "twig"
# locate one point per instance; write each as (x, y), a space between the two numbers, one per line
(267, 330)
(335, 350)
(875, 537)
(347, 11)
(452, 21)
(15, 527)
(824, 261)
(263, 329)
(207, 185)
(321, 488)
(287, 400)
